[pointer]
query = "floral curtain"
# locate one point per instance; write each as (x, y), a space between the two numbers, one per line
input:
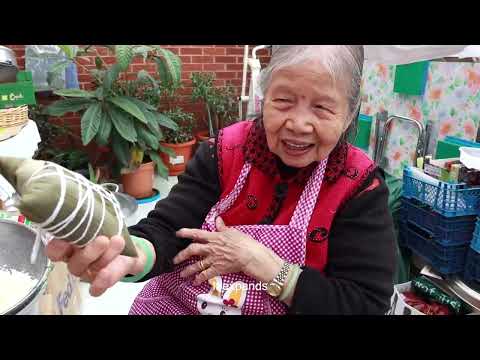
(451, 102)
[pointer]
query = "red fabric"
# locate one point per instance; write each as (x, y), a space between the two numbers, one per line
(245, 141)
(373, 186)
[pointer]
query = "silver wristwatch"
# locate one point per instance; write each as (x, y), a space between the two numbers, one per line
(275, 287)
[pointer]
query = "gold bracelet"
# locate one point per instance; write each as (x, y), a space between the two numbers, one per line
(286, 290)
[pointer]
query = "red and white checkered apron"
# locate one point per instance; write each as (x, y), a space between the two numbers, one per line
(169, 294)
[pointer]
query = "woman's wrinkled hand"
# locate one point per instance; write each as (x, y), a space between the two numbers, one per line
(226, 251)
(99, 262)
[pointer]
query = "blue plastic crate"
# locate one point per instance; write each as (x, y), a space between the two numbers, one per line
(447, 260)
(446, 230)
(472, 266)
(449, 200)
(475, 245)
(402, 225)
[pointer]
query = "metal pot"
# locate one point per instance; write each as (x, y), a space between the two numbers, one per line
(7, 56)
(128, 204)
(16, 243)
(465, 292)
(8, 73)
(8, 65)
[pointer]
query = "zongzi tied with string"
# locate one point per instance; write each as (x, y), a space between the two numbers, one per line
(64, 203)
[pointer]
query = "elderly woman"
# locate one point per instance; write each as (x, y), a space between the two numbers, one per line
(277, 215)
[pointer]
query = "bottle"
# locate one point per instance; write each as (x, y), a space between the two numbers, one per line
(420, 163)
(455, 173)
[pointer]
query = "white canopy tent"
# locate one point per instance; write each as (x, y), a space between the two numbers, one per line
(406, 54)
(386, 54)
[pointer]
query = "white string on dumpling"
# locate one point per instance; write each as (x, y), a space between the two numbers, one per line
(86, 195)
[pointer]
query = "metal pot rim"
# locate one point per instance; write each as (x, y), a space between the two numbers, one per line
(464, 292)
(5, 53)
(19, 306)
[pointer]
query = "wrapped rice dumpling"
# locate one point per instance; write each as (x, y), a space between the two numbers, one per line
(64, 203)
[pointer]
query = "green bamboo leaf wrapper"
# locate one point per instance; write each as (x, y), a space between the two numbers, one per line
(39, 198)
(423, 286)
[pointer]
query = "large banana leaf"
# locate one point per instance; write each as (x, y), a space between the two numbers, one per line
(123, 123)
(124, 54)
(78, 93)
(61, 107)
(162, 170)
(169, 66)
(125, 103)
(90, 123)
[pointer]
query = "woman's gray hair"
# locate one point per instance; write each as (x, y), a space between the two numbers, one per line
(343, 62)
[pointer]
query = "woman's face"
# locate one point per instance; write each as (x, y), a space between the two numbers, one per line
(304, 114)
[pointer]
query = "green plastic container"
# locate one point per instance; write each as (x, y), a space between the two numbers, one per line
(446, 150)
(411, 79)
(18, 93)
(364, 128)
(450, 147)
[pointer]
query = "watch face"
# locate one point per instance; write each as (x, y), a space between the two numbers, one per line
(274, 290)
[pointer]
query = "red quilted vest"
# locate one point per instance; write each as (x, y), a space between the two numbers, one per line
(257, 195)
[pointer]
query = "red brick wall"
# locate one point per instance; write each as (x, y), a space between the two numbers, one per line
(226, 61)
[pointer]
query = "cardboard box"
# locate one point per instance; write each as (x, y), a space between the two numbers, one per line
(398, 305)
(62, 295)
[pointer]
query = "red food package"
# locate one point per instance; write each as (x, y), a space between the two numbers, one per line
(424, 306)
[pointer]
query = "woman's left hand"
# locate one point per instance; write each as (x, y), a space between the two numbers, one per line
(227, 251)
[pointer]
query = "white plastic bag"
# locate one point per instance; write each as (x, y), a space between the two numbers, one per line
(39, 59)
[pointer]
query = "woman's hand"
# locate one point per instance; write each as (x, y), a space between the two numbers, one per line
(226, 251)
(99, 263)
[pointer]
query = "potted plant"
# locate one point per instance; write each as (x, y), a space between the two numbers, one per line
(203, 90)
(112, 117)
(220, 103)
(181, 141)
(226, 105)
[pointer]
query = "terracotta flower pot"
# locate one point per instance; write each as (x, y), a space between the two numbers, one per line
(202, 136)
(139, 183)
(184, 152)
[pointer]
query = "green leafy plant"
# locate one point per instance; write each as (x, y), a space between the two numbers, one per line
(203, 90)
(165, 95)
(113, 115)
(220, 103)
(226, 105)
(49, 133)
(72, 159)
(94, 176)
(186, 124)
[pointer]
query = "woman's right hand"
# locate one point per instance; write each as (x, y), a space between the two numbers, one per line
(98, 263)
